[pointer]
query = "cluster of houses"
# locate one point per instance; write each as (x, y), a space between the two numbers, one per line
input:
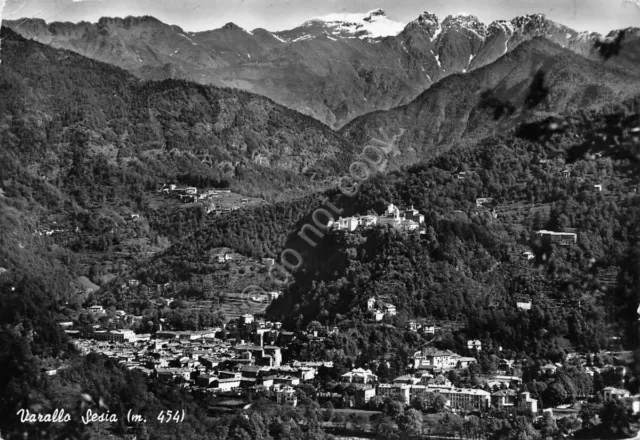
(440, 360)
(190, 194)
(406, 219)
(428, 379)
(380, 309)
(201, 361)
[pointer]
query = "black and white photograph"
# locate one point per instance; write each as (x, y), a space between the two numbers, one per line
(320, 220)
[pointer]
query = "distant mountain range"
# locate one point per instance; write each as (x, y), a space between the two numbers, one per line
(333, 68)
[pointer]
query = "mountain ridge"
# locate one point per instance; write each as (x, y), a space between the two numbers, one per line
(328, 72)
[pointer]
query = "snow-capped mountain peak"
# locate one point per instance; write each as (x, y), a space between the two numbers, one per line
(372, 24)
(375, 13)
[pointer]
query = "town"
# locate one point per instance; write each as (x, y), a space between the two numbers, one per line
(229, 365)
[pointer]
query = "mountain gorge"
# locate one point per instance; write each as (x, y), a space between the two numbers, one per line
(333, 68)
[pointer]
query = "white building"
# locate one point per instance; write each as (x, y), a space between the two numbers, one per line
(407, 219)
(359, 375)
(247, 318)
(524, 305)
(389, 309)
(525, 401)
(349, 223)
(561, 238)
(429, 329)
(461, 398)
(397, 391)
(228, 384)
(474, 344)
(611, 393)
(480, 202)
(431, 358)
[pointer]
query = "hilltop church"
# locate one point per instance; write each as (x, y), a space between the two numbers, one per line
(407, 219)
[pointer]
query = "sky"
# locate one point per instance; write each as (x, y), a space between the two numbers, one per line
(274, 15)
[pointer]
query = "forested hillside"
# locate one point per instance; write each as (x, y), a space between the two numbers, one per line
(468, 266)
(453, 112)
(64, 116)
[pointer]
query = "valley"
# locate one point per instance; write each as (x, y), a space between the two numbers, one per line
(156, 186)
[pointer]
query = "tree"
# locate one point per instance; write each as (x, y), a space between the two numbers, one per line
(314, 326)
(393, 408)
(548, 427)
(376, 403)
(439, 403)
(410, 423)
(328, 412)
(385, 427)
(587, 412)
(616, 417)
(556, 394)
(421, 403)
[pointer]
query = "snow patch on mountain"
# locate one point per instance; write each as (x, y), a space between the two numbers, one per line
(373, 24)
(437, 32)
(302, 38)
(183, 35)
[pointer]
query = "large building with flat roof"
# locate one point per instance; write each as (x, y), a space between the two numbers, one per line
(561, 238)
